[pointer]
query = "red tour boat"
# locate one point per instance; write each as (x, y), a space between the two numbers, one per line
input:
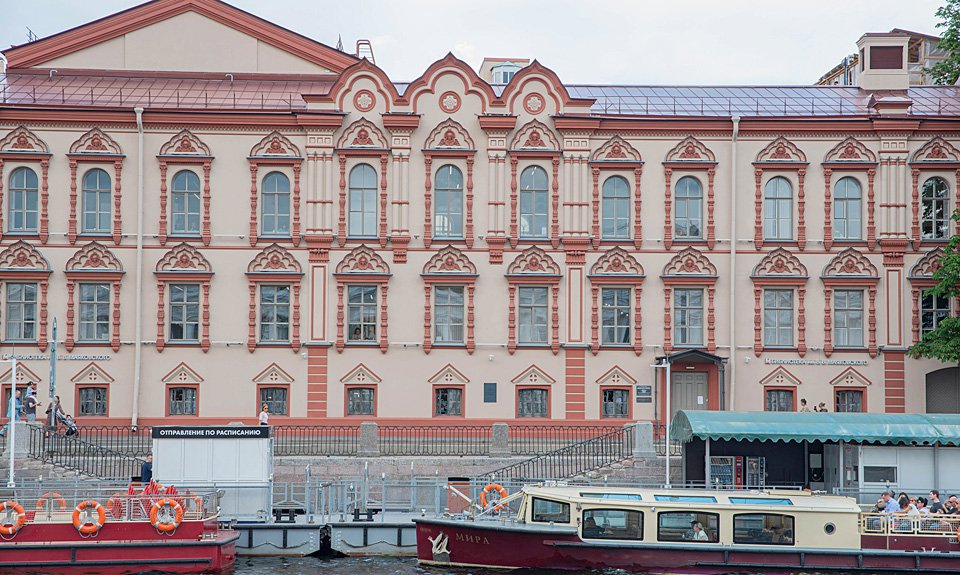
(113, 533)
(691, 531)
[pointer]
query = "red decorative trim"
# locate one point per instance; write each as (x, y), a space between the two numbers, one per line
(555, 197)
(801, 322)
(915, 228)
(428, 201)
(512, 318)
(758, 207)
(68, 341)
(449, 102)
(183, 144)
(364, 100)
(96, 263)
(44, 205)
(205, 338)
(253, 203)
(514, 238)
(21, 140)
(690, 261)
(317, 382)
(340, 317)
(427, 318)
(163, 204)
(827, 209)
(801, 207)
(937, 150)
(342, 221)
(449, 266)
(1, 198)
(667, 320)
(383, 318)
(711, 229)
(595, 231)
(535, 136)
(72, 222)
(533, 104)
(850, 268)
(383, 201)
(637, 200)
(871, 225)
(668, 210)
(616, 150)
(496, 244)
(205, 227)
(252, 318)
(850, 150)
(161, 321)
(781, 150)
(362, 134)
(690, 150)
(449, 134)
(117, 204)
(469, 225)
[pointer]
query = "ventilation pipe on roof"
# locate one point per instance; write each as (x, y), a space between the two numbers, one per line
(138, 321)
(733, 262)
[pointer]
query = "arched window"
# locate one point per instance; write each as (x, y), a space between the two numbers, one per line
(448, 204)
(847, 209)
(275, 214)
(688, 209)
(96, 202)
(185, 210)
(363, 202)
(533, 203)
(778, 209)
(936, 217)
(24, 199)
(615, 209)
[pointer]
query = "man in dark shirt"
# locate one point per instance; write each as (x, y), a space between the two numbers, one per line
(146, 470)
(30, 404)
(935, 505)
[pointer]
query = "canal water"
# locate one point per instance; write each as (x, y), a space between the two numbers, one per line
(369, 566)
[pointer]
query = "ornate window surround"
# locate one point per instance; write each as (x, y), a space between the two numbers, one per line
(362, 266)
(275, 150)
(533, 267)
(362, 139)
(95, 147)
(185, 149)
(779, 269)
(183, 263)
(449, 266)
(93, 263)
(535, 141)
(937, 155)
(691, 268)
(616, 268)
(274, 265)
(849, 156)
(690, 155)
(921, 279)
(850, 268)
(449, 140)
(23, 147)
(780, 156)
(617, 155)
(21, 262)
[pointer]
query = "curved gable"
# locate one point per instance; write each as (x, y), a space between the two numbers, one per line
(534, 135)
(556, 94)
(449, 260)
(363, 134)
(850, 150)
(780, 263)
(533, 260)
(23, 256)
(363, 260)
(850, 262)
(935, 151)
(616, 149)
(449, 65)
(96, 142)
(184, 258)
(362, 71)
(690, 150)
(274, 259)
(781, 150)
(22, 140)
(93, 256)
(928, 264)
(186, 143)
(616, 261)
(275, 144)
(689, 262)
(449, 134)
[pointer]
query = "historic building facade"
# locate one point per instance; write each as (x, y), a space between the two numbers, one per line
(259, 218)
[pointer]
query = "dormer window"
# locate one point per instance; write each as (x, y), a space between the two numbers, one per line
(503, 73)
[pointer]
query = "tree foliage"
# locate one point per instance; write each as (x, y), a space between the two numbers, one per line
(943, 343)
(947, 71)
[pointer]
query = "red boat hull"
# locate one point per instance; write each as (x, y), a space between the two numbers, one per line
(119, 548)
(496, 545)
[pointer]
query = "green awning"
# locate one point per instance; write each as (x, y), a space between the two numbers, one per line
(894, 428)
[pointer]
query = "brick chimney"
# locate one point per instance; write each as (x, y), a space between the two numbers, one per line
(883, 61)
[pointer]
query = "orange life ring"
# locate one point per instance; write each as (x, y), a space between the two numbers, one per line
(12, 528)
(61, 502)
(87, 527)
(490, 488)
(166, 524)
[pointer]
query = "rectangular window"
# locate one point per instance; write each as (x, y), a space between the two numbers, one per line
(96, 211)
(532, 403)
(489, 392)
(614, 496)
(94, 312)
(362, 313)
(848, 318)
(615, 316)
(612, 524)
(879, 474)
(448, 401)
(849, 400)
(778, 400)
(763, 529)
(546, 511)
(23, 210)
(361, 401)
(275, 398)
(448, 314)
(759, 501)
(688, 526)
(274, 313)
(933, 309)
(93, 401)
(533, 314)
(21, 311)
(184, 312)
(616, 403)
(533, 214)
(778, 318)
(686, 498)
(183, 401)
(185, 212)
(688, 317)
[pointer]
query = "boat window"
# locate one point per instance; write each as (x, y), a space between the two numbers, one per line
(614, 496)
(757, 500)
(687, 498)
(546, 511)
(688, 526)
(612, 524)
(763, 529)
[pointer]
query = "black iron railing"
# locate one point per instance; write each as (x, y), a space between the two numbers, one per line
(660, 441)
(315, 439)
(542, 439)
(573, 460)
(121, 438)
(75, 453)
(434, 440)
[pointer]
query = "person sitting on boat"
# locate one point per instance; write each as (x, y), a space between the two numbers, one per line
(590, 528)
(887, 503)
(698, 532)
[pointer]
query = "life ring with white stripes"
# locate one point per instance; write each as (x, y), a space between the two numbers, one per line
(490, 488)
(166, 515)
(9, 529)
(88, 525)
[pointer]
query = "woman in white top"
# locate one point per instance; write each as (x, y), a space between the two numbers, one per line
(265, 415)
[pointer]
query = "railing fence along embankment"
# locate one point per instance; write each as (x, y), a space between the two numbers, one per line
(77, 454)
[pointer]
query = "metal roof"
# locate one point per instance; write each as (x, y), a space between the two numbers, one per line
(889, 428)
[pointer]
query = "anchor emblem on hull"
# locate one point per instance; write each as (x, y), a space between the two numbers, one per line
(440, 552)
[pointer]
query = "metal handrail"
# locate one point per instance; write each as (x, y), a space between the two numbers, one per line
(72, 452)
(901, 524)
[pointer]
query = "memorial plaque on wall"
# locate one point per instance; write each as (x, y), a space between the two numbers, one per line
(644, 394)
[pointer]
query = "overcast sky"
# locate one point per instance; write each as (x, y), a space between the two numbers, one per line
(585, 42)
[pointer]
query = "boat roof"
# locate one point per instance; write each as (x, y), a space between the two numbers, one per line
(884, 428)
(779, 499)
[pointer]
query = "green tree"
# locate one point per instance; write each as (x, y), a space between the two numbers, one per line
(943, 343)
(947, 71)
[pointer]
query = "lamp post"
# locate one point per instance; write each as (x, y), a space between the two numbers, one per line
(664, 364)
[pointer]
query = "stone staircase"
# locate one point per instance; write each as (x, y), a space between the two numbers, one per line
(648, 470)
(33, 470)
